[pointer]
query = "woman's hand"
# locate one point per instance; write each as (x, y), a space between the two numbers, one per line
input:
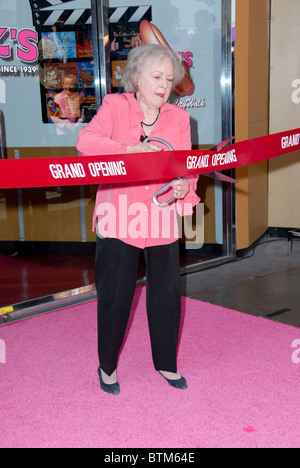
(180, 189)
(143, 148)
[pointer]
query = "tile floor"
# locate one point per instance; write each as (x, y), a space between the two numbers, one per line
(266, 284)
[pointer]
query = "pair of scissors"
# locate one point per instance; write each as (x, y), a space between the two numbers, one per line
(212, 175)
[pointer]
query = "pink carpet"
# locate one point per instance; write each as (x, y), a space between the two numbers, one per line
(244, 388)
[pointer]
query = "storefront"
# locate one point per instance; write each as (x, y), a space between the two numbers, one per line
(58, 58)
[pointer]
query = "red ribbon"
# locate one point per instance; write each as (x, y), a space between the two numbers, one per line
(165, 165)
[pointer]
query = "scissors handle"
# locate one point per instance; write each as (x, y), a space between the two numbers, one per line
(166, 187)
(163, 190)
(160, 141)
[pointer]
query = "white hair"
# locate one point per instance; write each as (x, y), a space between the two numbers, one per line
(136, 63)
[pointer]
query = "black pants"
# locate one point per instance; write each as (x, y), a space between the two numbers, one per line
(116, 275)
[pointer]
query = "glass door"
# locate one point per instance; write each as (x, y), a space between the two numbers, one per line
(203, 35)
(58, 58)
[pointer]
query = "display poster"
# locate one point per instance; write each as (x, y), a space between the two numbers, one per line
(65, 61)
(47, 89)
(124, 35)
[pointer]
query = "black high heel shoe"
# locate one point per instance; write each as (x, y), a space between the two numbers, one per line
(113, 389)
(177, 383)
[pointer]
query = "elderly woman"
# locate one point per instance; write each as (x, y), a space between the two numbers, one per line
(121, 126)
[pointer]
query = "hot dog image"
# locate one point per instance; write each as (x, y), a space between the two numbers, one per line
(150, 34)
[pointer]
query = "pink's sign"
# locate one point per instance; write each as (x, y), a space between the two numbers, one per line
(24, 41)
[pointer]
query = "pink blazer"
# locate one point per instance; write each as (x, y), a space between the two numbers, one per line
(127, 211)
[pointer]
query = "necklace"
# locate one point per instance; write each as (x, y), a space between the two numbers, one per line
(143, 138)
(150, 125)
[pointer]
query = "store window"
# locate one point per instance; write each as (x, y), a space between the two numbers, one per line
(58, 58)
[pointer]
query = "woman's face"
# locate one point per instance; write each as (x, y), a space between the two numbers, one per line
(155, 83)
